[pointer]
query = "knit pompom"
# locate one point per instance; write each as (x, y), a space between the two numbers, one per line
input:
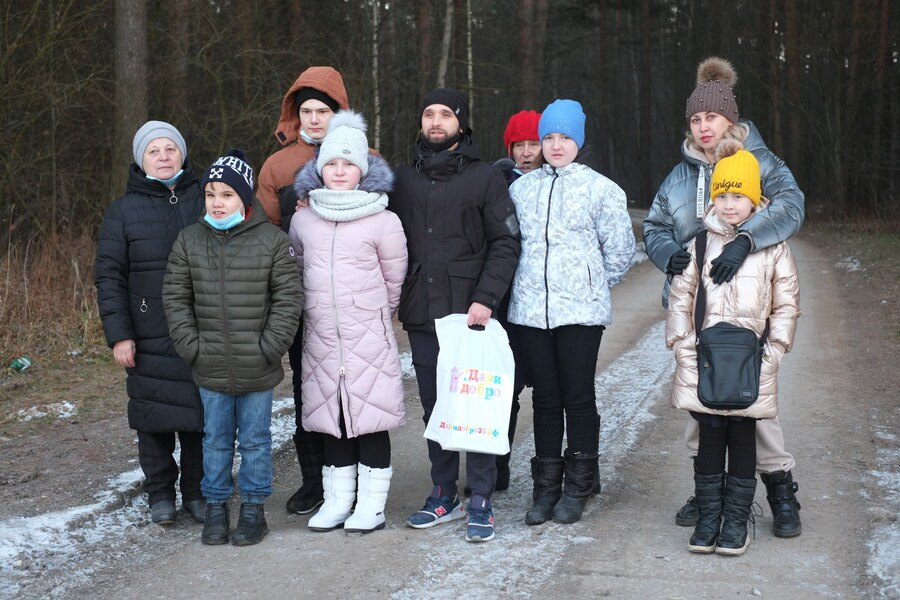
(716, 69)
(347, 118)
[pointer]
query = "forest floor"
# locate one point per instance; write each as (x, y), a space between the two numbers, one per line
(74, 524)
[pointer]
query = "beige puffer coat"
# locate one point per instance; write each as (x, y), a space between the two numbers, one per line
(766, 285)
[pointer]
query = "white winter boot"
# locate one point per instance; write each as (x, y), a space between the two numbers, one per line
(339, 484)
(370, 500)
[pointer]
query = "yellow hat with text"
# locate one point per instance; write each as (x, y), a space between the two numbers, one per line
(736, 172)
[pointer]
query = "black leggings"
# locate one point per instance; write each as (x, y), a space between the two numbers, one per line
(738, 438)
(370, 449)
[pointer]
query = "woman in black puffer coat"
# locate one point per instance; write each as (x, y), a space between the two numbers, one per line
(162, 197)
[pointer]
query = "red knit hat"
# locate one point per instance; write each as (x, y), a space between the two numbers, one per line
(522, 126)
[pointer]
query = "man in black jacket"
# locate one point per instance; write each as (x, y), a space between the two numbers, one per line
(463, 241)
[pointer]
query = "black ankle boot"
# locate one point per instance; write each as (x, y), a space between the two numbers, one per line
(547, 474)
(251, 527)
(215, 528)
(579, 482)
(708, 500)
(780, 489)
(734, 538)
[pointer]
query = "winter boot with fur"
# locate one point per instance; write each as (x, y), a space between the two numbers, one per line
(311, 459)
(371, 496)
(780, 489)
(708, 490)
(547, 474)
(734, 538)
(580, 470)
(251, 527)
(339, 484)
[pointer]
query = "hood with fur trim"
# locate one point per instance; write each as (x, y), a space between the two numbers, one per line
(379, 179)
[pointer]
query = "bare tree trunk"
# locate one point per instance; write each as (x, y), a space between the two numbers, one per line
(296, 21)
(646, 144)
(175, 97)
(775, 78)
(375, 139)
(131, 84)
(445, 45)
(423, 31)
(525, 66)
(469, 67)
(246, 31)
(793, 63)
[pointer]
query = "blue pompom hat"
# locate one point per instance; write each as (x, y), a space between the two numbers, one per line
(563, 116)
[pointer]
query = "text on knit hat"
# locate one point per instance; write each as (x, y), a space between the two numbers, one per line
(736, 172)
(234, 170)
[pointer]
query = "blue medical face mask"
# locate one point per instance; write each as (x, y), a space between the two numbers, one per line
(227, 223)
(167, 182)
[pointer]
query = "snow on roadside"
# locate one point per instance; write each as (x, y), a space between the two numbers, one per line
(625, 392)
(884, 544)
(56, 544)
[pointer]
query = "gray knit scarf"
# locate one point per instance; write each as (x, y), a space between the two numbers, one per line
(346, 205)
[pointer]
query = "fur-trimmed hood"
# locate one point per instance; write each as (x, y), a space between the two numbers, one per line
(379, 179)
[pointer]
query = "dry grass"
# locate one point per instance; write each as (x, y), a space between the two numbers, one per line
(48, 307)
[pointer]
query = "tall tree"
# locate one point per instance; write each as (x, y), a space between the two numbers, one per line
(445, 45)
(131, 83)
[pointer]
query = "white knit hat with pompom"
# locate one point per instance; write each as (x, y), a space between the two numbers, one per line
(346, 139)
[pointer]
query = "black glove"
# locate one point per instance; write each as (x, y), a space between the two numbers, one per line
(678, 262)
(733, 255)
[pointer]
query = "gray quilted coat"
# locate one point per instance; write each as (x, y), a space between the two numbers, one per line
(577, 244)
(673, 221)
(232, 299)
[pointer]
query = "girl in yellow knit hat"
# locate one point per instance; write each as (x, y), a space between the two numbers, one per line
(764, 293)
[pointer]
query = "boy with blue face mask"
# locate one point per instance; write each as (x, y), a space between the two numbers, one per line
(232, 299)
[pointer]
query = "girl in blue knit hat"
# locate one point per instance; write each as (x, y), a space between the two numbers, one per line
(577, 243)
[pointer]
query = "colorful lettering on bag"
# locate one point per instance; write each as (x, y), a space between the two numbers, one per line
(474, 382)
(469, 429)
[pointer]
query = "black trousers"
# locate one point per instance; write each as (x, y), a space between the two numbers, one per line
(370, 449)
(737, 439)
(561, 364)
(308, 443)
(481, 469)
(160, 469)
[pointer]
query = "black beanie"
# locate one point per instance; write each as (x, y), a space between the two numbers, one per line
(452, 99)
(308, 93)
(234, 170)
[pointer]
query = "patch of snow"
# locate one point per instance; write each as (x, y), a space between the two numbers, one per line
(884, 545)
(849, 264)
(625, 392)
(60, 410)
(406, 365)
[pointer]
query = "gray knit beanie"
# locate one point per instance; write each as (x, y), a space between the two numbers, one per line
(150, 131)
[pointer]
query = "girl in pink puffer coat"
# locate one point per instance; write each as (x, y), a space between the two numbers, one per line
(352, 257)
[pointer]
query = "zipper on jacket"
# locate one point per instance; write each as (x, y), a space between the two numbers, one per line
(342, 371)
(224, 305)
(547, 251)
(384, 327)
(173, 199)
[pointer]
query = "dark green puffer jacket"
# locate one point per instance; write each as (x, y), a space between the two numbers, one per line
(233, 303)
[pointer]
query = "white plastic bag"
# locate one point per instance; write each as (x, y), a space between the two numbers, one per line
(475, 371)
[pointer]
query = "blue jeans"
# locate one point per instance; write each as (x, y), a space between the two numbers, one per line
(247, 418)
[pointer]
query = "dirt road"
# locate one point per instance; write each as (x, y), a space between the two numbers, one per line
(840, 421)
